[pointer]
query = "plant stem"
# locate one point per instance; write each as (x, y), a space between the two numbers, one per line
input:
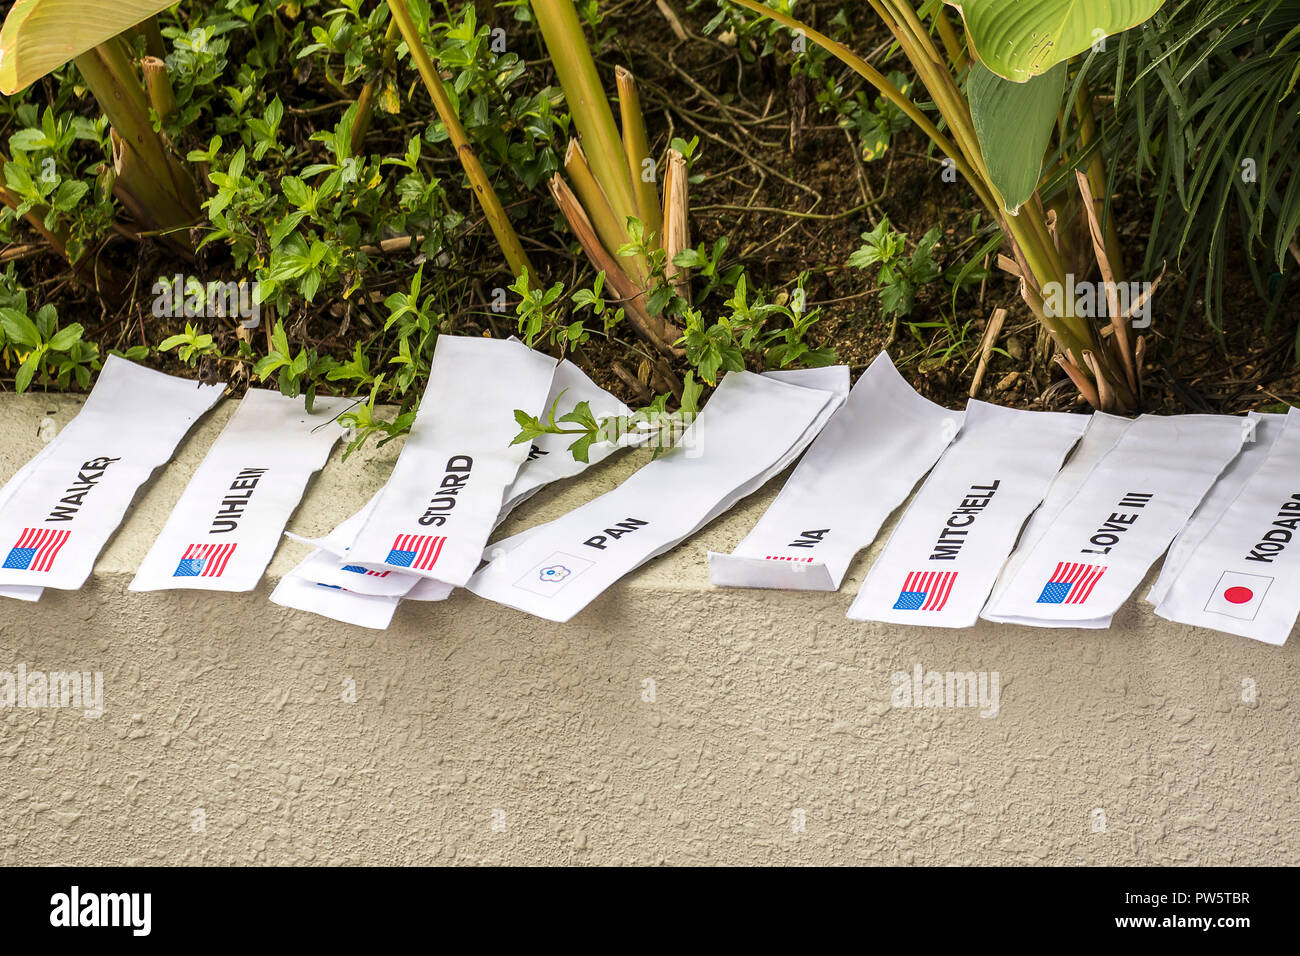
(159, 86)
(637, 148)
(366, 101)
(595, 202)
(1097, 178)
(952, 44)
(571, 57)
(495, 214)
(160, 186)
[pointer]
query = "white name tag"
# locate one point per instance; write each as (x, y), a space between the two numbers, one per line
(945, 554)
(59, 518)
(1120, 521)
(1243, 576)
(751, 425)
(860, 468)
(441, 503)
(224, 530)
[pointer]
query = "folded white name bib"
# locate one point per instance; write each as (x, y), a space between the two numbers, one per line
(18, 591)
(1119, 521)
(224, 529)
(1243, 577)
(363, 610)
(1103, 434)
(750, 425)
(59, 518)
(441, 503)
(1261, 432)
(946, 552)
(860, 468)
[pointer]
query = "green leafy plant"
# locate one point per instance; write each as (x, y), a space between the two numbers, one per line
(721, 345)
(47, 352)
(191, 345)
(1208, 111)
(41, 35)
(999, 93)
(900, 275)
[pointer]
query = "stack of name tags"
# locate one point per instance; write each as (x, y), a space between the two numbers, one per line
(1034, 518)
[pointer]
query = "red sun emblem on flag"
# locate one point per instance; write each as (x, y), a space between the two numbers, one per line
(1238, 594)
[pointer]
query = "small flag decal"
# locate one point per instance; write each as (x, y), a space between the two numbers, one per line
(417, 551)
(36, 549)
(1239, 595)
(1071, 583)
(358, 569)
(925, 591)
(204, 561)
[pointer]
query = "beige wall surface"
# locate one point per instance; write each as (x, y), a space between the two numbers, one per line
(670, 722)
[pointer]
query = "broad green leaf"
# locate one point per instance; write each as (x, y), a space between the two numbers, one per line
(42, 35)
(65, 337)
(19, 329)
(28, 370)
(1014, 124)
(1017, 39)
(29, 139)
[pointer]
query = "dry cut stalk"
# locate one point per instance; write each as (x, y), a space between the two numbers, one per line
(596, 204)
(1119, 323)
(1081, 382)
(677, 230)
(986, 348)
(651, 329)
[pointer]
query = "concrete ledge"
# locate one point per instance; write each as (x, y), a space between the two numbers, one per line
(768, 708)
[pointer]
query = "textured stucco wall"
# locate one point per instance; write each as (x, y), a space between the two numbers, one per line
(765, 704)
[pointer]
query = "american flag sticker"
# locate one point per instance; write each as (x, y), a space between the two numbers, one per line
(36, 549)
(204, 561)
(778, 557)
(417, 551)
(358, 569)
(925, 591)
(1071, 583)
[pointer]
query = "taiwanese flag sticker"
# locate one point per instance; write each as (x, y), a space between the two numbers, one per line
(1239, 595)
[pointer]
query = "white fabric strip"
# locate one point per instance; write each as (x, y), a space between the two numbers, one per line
(945, 554)
(1261, 432)
(1243, 576)
(331, 566)
(224, 529)
(337, 541)
(59, 518)
(364, 610)
(441, 503)
(833, 379)
(750, 425)
(22, 592)
(1120, 521)
(322, 567)
(1103, 434)
(860, 468)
